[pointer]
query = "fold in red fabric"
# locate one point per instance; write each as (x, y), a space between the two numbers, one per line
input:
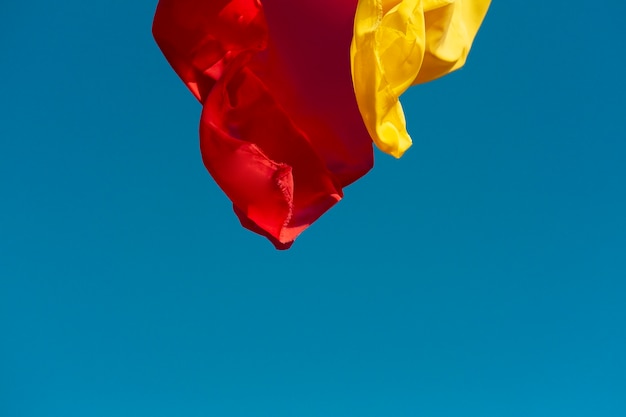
(280, 130)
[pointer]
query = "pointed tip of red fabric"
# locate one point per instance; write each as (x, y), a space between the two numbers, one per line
(253, 227)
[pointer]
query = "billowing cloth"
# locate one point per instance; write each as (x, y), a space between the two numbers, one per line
(294, 91)
(280, 130)
(398, 43)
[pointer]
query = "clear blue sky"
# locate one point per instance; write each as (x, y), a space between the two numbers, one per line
(483, 274)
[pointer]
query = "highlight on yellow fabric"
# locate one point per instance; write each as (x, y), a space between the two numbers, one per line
(399, 43)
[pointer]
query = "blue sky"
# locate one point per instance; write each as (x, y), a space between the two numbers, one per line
(483, 274)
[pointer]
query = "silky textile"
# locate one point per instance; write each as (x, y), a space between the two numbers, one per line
(398, 43)
(293, 92)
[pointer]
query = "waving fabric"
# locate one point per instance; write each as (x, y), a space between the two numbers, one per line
(280, 130)
(293, 92)
(398, 43)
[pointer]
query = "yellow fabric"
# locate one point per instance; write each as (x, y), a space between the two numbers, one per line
(398, 43)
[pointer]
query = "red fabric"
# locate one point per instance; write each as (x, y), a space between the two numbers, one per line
(280, 130)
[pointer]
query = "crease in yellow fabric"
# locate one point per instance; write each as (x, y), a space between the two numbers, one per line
(400, 43)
